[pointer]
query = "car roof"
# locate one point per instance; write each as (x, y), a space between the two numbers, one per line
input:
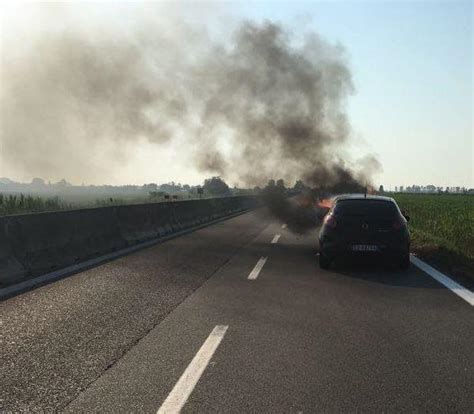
(362, 197)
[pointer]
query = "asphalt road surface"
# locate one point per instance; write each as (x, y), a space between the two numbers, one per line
(238, 317)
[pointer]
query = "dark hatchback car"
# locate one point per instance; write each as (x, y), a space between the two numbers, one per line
(364, 225)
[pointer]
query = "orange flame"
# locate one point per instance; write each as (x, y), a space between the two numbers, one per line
(325, 203)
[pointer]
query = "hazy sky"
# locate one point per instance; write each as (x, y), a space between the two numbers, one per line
(411, 64)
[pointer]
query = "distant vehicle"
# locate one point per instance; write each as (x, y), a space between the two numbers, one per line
(364, 225)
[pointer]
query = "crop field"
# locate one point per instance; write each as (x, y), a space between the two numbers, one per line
(11, 204)
(20, 203)
(441, 225)
(27, 203)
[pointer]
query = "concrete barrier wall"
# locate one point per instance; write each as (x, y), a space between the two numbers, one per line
(34, 244)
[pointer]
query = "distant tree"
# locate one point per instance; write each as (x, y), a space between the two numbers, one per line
(5, 180)
(63, 183)
(381, 189)
(171, 187)
(275, 189)
(299, 186)
(280, 183)
(37, 182)
(150, 187)
(216, 186)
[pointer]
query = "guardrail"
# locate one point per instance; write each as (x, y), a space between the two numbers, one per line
(35, 244)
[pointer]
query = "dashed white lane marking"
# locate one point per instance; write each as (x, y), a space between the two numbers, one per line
(258, 267)
(185, 385)
(283, 226)
(459, 290)
(276, 238)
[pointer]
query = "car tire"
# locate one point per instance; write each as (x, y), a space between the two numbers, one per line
(324, 261)
(404, 261)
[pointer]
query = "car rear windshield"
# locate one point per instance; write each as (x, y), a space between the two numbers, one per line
(375, 208)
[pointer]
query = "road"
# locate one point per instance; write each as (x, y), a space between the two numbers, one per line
(233, 318)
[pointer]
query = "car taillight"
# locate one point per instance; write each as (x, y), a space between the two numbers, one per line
(397, 224)
(330, 221)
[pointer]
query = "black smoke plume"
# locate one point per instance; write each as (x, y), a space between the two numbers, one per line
(261, 103)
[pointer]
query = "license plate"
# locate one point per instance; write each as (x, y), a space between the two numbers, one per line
(364, 248)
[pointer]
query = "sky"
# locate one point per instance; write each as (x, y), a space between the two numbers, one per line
(412, 68)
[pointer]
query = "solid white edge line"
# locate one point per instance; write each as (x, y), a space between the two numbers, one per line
(258, 267)
(185, 385)
(276, 238)
(455, 287)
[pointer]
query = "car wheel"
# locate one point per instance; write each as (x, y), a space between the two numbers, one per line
(404, 261)
(324, 261)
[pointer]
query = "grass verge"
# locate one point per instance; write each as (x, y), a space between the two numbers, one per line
(442, 255)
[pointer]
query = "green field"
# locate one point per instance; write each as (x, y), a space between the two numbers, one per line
(442, 226)
(20, 203)
(27, 203)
